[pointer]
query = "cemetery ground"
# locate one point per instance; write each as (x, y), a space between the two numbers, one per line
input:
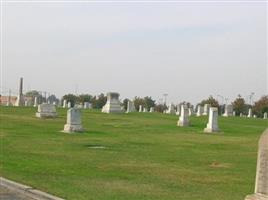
(130, 156)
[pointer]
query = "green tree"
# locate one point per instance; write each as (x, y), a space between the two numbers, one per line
(239, 105)
(160, 108)
(85, 98)
(99, 101)
(148, 102)
(260, 106)
(125, 102)
(71, 98)
(138, 101)
(211, 100)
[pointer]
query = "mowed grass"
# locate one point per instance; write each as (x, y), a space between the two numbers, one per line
(146, 156)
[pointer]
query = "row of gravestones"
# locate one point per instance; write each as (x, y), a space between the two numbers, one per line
(261, 186)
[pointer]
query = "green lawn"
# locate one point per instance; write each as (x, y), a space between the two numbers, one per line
(146, 156)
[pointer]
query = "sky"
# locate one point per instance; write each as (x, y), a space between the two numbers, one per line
(186, 50)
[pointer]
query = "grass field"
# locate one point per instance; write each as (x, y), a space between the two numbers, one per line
(146, 156)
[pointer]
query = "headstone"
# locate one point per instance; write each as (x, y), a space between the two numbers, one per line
(171, 109)
(249, 112)
(64, 104)
(200, 110)
(254, 116)
(151, 109)
(144, 109)
(113, 104)
(265, 115)
(261, 183)
(46, 111)
(54, 103)
(212, 125)
(87, 105)
(184, 118)
(206, 109)
(241, 114)
(26, 103)
(73, 121)
(234, 113)
(140, 108)
(35, 101)
(69, 104)
(178, 111)
(130, 107)
(20, 100)
(48, 101)
(228, 110)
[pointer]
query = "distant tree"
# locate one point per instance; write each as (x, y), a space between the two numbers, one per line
(148, 102)
(239, 105)
(260, 106)
(212, 101)
(52, 98)
(32, 93)
(71, 98)
(125, 102)
(99, 101)
(160, 108)
(138, 101)
(85, 98)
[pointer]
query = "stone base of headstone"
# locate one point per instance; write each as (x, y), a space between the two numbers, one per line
(256, 197)
(210, 130)
(46, 115)
(71, 128)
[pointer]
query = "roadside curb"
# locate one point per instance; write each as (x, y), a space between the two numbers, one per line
(27, 190)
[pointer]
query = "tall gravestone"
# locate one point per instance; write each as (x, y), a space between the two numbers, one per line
(140, 108)
(249, 113)
(144, 109)
(64, 104)
(73, 123)
(228, 110)
(69, 104)
(206, 109)
(46, 111)
(212, 125)
(130, 107)
(265, 115)
(35, 101)
(261, 183)
(184, 117)
(151, 109)
(200, 110)
(113, 104)
(20, 100)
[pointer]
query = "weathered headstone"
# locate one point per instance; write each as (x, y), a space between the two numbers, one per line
(241, 114)
(184, 117)
(234, 113)
(249, 113)
(212, 125)
(151, 109)
(130, 107)
(87, 105)
(200, 110)
(228, 110)
(69, 104)
(140, 108)
(171, 109)
(113, 104)
(73, 121)
(265, 115)
(46, 111)
(261, 183)
(206, 109)
(144, 109)
(20, 100)
(64, 104)
(35, 101)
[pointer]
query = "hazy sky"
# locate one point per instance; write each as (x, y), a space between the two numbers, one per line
(187, 50)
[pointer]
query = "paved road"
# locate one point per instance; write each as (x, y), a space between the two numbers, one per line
(6, 194)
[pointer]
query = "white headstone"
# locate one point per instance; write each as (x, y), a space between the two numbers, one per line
(144, 109)
(255, 116)
(152, 109)
(241, 114)
(113, 104)
(261, 183)
(46, 111)
(212, 125)
(265, 115)
(64, 104)
(87, 105)
(140, 108)
(228, 110)
(130, 107)
(73, 121)
(171, 109)
(200, 110)
(69, 104)
(20, 99)
(178, 112)
(249, 112)
(234, 113)
(206, 109)
(35, 101)
(184, 118)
